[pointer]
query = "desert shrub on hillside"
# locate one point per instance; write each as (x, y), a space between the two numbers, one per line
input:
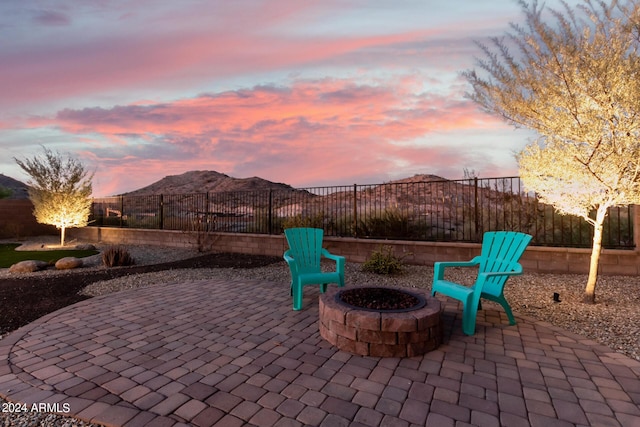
(314, 221)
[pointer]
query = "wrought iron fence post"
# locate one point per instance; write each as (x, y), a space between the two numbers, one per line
(635, 223)
(476, 212)
(207, 216)
(161, 208)
(355, 210)
(270, 212)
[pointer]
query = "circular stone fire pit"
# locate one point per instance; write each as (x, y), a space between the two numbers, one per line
(407, 325)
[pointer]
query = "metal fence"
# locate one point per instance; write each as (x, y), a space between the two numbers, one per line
(444, 210)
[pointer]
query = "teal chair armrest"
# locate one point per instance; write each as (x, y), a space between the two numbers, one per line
(339, 259)
(439, 267)
(517, 270)
(340, 262)
(483, 277)
(291, 262)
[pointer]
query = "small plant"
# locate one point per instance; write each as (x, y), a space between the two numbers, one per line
(383, 261)
(5, 192)
(117, 256)
(203, 230)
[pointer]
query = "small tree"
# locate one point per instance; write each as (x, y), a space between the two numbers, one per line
(60, 190)
(576, 82)
(5, 192)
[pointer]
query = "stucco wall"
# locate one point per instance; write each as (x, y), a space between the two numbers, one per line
(535, 259)
(17, 220)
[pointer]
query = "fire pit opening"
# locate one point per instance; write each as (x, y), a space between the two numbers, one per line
(382, 322)
(381, 299)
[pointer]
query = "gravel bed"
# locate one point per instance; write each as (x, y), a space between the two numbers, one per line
(142, 255)
(614, 321)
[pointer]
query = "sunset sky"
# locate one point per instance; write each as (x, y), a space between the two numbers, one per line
(308, 93)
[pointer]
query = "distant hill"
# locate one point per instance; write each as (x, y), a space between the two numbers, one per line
(420, 178)
(206, 181)
(199, 182)
(18, 189)
(216, 182)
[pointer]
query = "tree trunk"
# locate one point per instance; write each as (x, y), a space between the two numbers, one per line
(62, 229)
(590, 290)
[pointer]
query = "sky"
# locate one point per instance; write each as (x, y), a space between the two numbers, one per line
(308, 93)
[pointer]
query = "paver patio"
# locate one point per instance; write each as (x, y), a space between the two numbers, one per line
(231, 353)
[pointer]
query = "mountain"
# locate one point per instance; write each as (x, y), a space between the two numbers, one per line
(216, 182)
(18, 189)
(419, 178)
(206, 181)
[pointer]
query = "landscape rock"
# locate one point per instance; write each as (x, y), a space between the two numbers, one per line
(68, 263)
(28, 266)
(85, 247)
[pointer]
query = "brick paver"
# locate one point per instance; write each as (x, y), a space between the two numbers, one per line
(225, 353)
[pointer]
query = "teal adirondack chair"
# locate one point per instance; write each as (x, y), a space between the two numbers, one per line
(501, 251)
(303, 257)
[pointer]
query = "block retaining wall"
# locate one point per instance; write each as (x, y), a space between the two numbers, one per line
(535, 259)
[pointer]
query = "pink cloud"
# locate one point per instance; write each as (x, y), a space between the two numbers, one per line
(303, 135)
(168, 54)
(363, 91)
(262, 111)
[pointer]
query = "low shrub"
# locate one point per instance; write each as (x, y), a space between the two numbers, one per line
(383, 261)
(117, 256)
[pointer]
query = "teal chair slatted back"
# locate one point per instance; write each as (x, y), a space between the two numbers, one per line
(501, 252)
(305, 246)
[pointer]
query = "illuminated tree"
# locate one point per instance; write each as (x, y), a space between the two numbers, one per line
(575, 80)
(60, 190)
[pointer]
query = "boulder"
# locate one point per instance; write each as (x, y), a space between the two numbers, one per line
(28, 266)
(85, 247)
(68, 263)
